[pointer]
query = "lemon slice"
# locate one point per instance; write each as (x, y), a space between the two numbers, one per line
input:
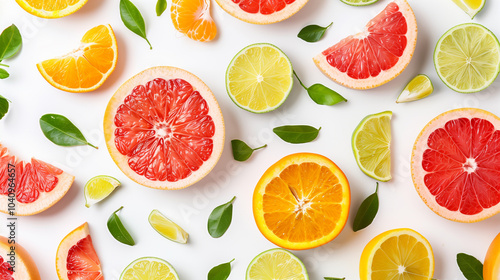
(359, 2)
(471, 7)
(149, 268)
(371, 144)
(259, 78)
(98, 188)
(418, 88)
(276, 264)
(167, 228)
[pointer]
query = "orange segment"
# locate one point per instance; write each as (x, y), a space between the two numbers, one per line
(51, 8)
(192, 18)
(302, 201)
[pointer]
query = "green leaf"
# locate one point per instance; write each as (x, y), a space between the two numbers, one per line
(10, 42)
(119, 232)
(297, 134)
(323, 95)
(471, 267)
(220, 272)
(334, 278)
(161, 6)
(133, 20)
(4, 74)
(61, 131)
(241, 151)
(220, 219)
(313, 33)
(366, 212)
(4, 106)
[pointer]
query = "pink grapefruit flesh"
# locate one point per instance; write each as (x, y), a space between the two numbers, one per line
(25, 268)
(262, 11)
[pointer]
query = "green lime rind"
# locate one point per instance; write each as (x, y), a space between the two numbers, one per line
(495, 50)
(179, 231)
(150, 259)
(471, 12)
(108, 183)
(359, 2)
(271, 251)
(416, 90)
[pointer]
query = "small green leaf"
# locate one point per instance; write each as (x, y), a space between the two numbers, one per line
(220, 272)
(313, 33)
(4, 74)
(61, 131)
(241, 151)
(297, 134)
(161, 6)
(334, 278)
(471, 267)
(367, 211)
(133, 20)
(10, 42)
(220, 219)
(4, 106)
(323, 95)
(119, 232)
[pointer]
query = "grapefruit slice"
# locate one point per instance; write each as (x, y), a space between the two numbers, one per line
(378, 54)
(76, 258)
(456, 165)
(261, 11)
(38, 185)
(25, 268)
(164, 128)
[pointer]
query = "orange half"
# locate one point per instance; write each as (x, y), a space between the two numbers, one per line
(51, 8)
(192, 18)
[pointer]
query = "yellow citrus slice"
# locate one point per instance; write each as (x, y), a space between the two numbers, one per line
(51, 8)
(491, 268)
(167, 228)
(276, 264)
(98, 188)
(471, 7)
(149, 268)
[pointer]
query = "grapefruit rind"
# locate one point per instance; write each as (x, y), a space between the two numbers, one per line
(51, 14)
(172, 273)
(491, 268)
(271, 252)
(25, 266)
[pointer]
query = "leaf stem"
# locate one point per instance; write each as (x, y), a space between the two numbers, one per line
(260, 147)
(118, 210)
(4, 65)
(376, 190)
(232, 261)
(299, 80)
(329, 25)
(95, 147)
(234, 197)
(150, 47)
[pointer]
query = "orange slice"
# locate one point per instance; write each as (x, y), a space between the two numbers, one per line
(491, 270)
(192, 18)
(302, 201)
(86, 68)
(51, 8)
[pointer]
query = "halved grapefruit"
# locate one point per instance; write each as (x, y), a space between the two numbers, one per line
(164, 128)
(76, 258)
(261, 11)
(378, 54)
(25, 268)
(456, 165)
(37, 184)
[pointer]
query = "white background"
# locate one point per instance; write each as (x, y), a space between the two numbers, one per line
(400, 206)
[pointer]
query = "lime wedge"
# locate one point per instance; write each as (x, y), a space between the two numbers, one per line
(167, 228)
(359, 2)
(371, 144)
(418, 88)
(467, 58)
(471, 7)
(149, 268)
(98, 188)
(259, 78)
(276, 264)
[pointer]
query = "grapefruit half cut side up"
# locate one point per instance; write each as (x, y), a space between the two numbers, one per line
(164, 128)
(456, 165)
(261, 11)
(378, 54)
(25, 268)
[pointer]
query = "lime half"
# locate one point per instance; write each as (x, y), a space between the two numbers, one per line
(467, 58)
(167, 228)
(471, 7)
(98, 188)
(359, 2)
(371, 144)
(276, 264)
(259, 78)
(418, 88)
(149, 268)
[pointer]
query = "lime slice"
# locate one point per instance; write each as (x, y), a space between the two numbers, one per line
(467, 58)
(167, 228)
(259, 78)
(98, 188)
(359, 2)
(471, 7)
(371, 144)
(276, 264)
(149, 268)
(418, 88)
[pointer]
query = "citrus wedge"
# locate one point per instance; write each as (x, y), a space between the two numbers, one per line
(193, 19)
(262, 11)
(371, 144)
(418, 88)
(302, 201)
(167, 228)
(276, 264)
(149, 268)
(491, 268)
(398, 254)
(359, 2)
(467, 58)
(24, 269)
(471, 7)
(259, 78)
(51, 8)
(98, 188)
(86, 68)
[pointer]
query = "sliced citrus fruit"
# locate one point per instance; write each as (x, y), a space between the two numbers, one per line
(418, 88)
(51, 8)
(276, 264)
(98, 188)
(378, 54)
(259, 78)
(86, 68)
(302, 201)
(261, 11)
(371, 144)
(149, 268)
(193, 19)
(471, 7)
(491, 268)
(25, 268)
(455, 165)
(359, 2)
(76, 257)
(467, 58)
(167, 228)
(398, 254)
(164, 128)
(36, 185)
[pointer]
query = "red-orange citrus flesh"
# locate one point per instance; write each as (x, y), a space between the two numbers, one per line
(262, 11)
(25, 268)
